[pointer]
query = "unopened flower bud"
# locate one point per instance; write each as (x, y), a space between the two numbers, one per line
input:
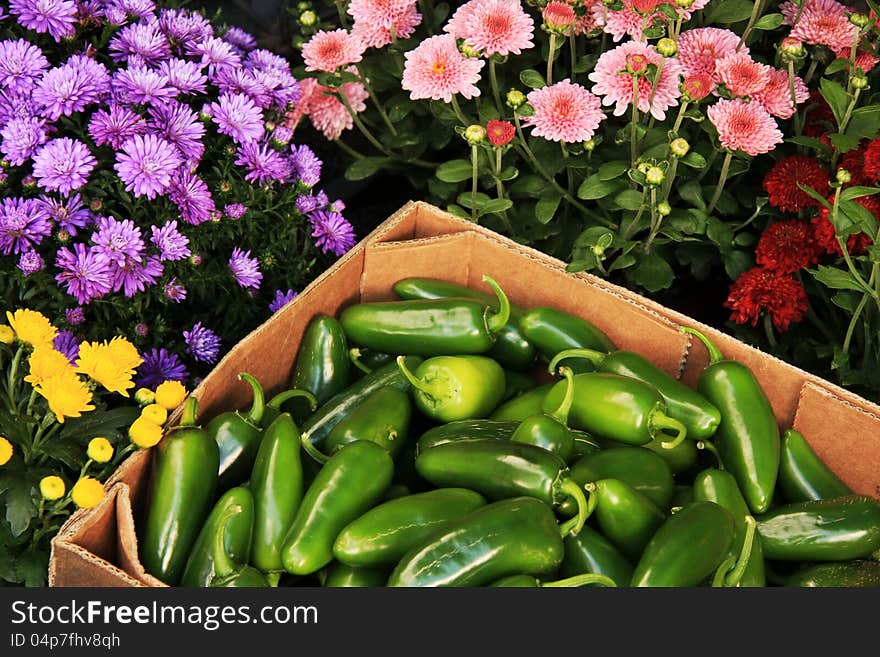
(843, 176)
(663, 208)
(589, 145)
(679, 147)
(859, 82)
(308, 18)
(96, 205)
(654, 176)
(515, 98)
(684, 4)
(468, 50)
(99, 450)
(636, 63)
(667, 47)
(598, 250)
(859, 20)
(7, 335)
(558, 17)
(474, 134)
(643, 167)
(144, 396)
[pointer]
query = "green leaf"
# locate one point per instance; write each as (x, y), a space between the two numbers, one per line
(19, 498)
(508, 173)
(865, 122)
(769, 21)
(592, 236)
(547, 205)
(652, 273)
(612, 170)
(858, 192)
(455, 171)
(728, 11)
(809, 142)
(692, 193)
(843, 143)
(623, 262)
(525, 110)
(694, 160)
(859, 216)
(532, 79)
(629, 199)
(458, 211)
(594, 188)
(32, 567)
(495, 206)
(816, 195)
(472, 201)
(836, 279)
(364, 168)
(836, 97)
(580, 265)
(839, 64)
(738, 261)
(846, 300)
(721, 233)
(82, 429)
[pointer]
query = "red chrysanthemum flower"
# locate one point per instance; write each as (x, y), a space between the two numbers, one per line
(870, 161)
(499, 133)
(781, 182)
(826, 237)
(819, 117)
(760, 291)
(787, 246)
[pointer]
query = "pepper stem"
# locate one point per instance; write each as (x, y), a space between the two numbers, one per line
(255, 415)
(190, 411)
(354, 355)
(723, 569)
(659, 421)
(591, 355)
(734, 577)
(710, 447)
(715, 354)
(278, 400)
(224, 566)
(581, 580)
(585, 507)
(496, 320)
(564, 408)
(316, 454)
(414, 381)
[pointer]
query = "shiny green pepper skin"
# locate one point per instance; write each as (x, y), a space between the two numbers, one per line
(550, 430)
(340, 575)
(322, 364)
(511, 537)
(452, 432)
(681, 459)
(848, 574)
(590, 552)
(552, 331)
(524, 405)
(803, 475)
(527, 581)
(382, 418)
(624, 516)
(181, 493)
(228, 572)
(382, 535)
(238, 436)
(687, 548)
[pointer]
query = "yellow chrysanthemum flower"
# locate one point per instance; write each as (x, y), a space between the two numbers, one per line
(101, 364)
(155, 413)
(170, 394)
(52, 488)
(144, 433)
(100, 450)
(7, 335)
(124, 354)
(87, 492)
(144, 396)
(5, 451)
(32, 327)
(67, 396)
(46, 363)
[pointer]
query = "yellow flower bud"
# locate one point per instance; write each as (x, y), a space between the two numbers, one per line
(515, 98)
(100, 450)
(7, 335)
(87, 492)
(5, 451)
(663, 208)
(170, 394)
(144, 433)
(52, 488)
(144, 397)
(474, 134)
(679, 147)
(655, 176)
(667, 47)
(155, 414)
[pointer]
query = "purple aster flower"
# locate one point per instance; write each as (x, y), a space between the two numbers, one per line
(142, 330)
(21, 137)
(306, 203)
(160, 365)
(283, 88)
(23, 224)
(239, 38)
(70, 88)
(138, 8)
(75, 316)
(178, 124)
(202, 343)
(30, 262)
(142, 39)
(90, 12)
(70, 213)
(172, 244)
(134, 275)
(115, 15)
(68, 344)
(263, 163)
(184, 27)
(282, 135)
(57, 17)
(63, 165)
(139, 85)
(146, 164)
(175, 291)
(332, 232)
(306, 165)
(115, 126)
(266, 59)
(235, 210)
(85, 271)
(216, 54)
(15, 105)
(236, 115)
(242, 81)
(281, 299)
(21, 65)
(185, 76)
(118, 240)
(245, 269)
(193, 198)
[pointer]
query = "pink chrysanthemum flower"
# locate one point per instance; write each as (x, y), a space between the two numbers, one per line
(493, 27)
(324, 109)
(790, 10)
(615, 85)
(558, 15)
(457, 26)
(435, 69)
(741, 74)
(629, 21)
(822, 22)
(744, 126)
(865, 58)
(378, 22)
(564, 112)
(775, 97)
(701, 48)
(331, 50)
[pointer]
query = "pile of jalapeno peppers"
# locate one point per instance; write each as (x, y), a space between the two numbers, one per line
(448, 438)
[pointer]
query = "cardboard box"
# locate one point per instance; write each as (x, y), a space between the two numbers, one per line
(98, 547)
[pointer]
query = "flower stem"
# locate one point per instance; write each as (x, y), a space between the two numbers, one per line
(768, 331)
(457, 109)
(757, 8)
(634, 133)
(499, 189)
(869, 289)
(655, 220)
(572, 46)
(722, 178)
(844, 123)
(365, 131)
(493, 81)
(796, 117)
(550, 59)
(369, 88)
(475, 160)
(349, 150)
(680, 117)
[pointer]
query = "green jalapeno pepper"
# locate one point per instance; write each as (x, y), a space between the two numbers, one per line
(511, 348)
(687, 548)
(382, 418)
(453, 432)
(624, 516)
(682, 403)
(516, 384)
(618, 408)
(340, 575)
(499, 469)
(367, 361)
(590, 552)
(319, 425)
(396, 490)
(836, 529)
(550, 430)
(803, 475)
(552, 331)
(449, 388)
(181, 493)
(238, 437)
(680, 459)
(427, 327)
(527, 581)
(350, 483)
(238, 534)
(322, 365)
(227, 572)
(511, 537)
(273, 407)
(682, 495)
(522, 406)
(712, 485)
(849, 574)
(385, 533)
(748, 436)
(277, 484)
